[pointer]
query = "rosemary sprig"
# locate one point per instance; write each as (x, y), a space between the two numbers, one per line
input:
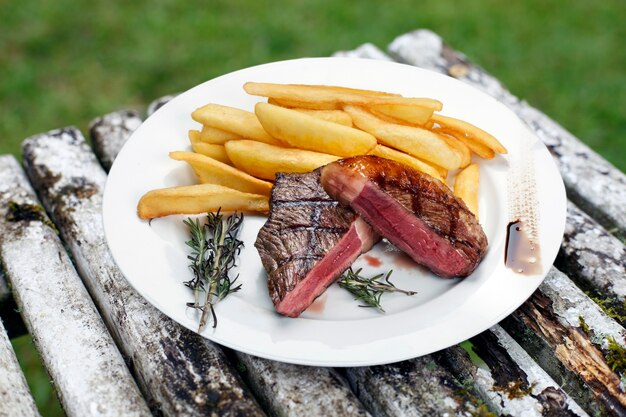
(369, 290)
(214, 248)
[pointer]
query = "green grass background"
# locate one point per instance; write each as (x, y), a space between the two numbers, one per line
(65, 62)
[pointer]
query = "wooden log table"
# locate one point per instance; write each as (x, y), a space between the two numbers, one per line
(108, 352)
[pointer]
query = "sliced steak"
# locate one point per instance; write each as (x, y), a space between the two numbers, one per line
(418, 214)
(308, 241)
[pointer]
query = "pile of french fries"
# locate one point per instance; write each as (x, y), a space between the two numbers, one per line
(236, 154)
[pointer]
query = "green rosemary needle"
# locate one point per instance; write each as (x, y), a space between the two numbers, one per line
(369, 290)
(214, 248)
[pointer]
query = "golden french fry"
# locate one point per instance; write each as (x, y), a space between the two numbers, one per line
(208, 149)
(415, 115)
(196, 199)
(230, 119)
(307, 132)
(327, 95)
(466, 187)
(478, 148)
(213, 135)
(335, 116)
(415, 141)
(464, 151)
(264, 161)
(471, 131)
(295, 104)
(406, 159)
(210, 171)
(350, 90)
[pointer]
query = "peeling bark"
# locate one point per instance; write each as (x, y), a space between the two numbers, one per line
(568, 351)
(507, 377)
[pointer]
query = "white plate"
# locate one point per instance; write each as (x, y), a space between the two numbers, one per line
(335, 331)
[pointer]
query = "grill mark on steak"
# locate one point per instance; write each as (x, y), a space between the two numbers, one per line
(307, 241)
(293, 228)
(286, 203)
(417, 213)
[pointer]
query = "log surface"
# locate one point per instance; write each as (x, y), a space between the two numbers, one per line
(57, 309)
(416, 387)
(178, 371)
(294, 390)
(15, 397)
(507, 378)
(595, 260)
(570, 336)
(110, 132)
(592, 183)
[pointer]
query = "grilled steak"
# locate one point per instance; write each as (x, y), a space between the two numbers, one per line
(308, 241)
(415, 212)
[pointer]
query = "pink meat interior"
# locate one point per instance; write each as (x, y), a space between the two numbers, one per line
(359, 238)
(407, 232)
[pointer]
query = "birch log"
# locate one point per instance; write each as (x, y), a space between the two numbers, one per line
(75, 346)
(413, 388)
(5, 292)
(292, 390)
(158, 103)
(284, 389)
(575, 342)
(367, 51)
(592, 183)
(15, 397)
(507, 377)
(181, 372)
(116, 127)
(595, 260)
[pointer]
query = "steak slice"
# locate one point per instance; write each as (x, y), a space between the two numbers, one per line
(308, 241)
(418, 214)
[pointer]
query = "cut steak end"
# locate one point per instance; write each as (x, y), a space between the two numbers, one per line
(418, 214)
(308, 241)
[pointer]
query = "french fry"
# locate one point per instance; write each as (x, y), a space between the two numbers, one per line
(466, 187)
(415, 141)
(415, 115)
(464, 151)
(478, 148)
(295, 104)
(213, 135)
(208, 149)
(307, 132)
(406, 159)
(210, 171)
(335, 116)
(230, 119)
(349, 90)
(264, 161)
(196, 199)
(471, 131)
(326, 95)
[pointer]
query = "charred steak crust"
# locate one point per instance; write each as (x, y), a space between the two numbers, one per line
(429, 199)
(303, 225)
